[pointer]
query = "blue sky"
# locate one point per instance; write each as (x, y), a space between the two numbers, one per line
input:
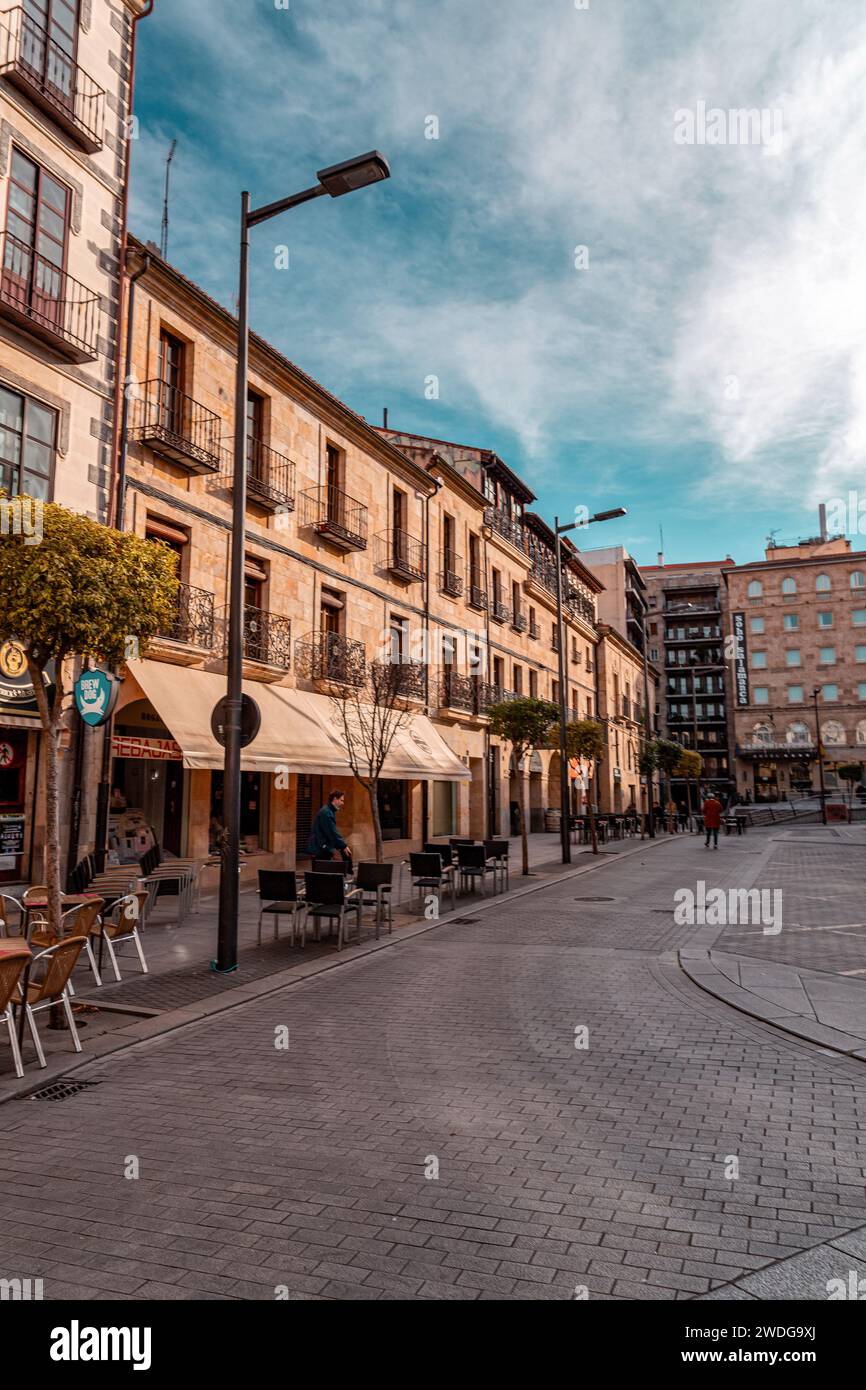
(706, 365)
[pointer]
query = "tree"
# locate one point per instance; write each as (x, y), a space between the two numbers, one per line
(85, 591)
(689, 766)
(371, 704)
(647, 763)
(585, 740)
(668, 755)
(852, 773)
(525, 724)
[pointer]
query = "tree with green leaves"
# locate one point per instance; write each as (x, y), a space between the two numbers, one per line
(80, 591)
(668, 755)
(525, 724)
(852, 773)
(689, 767)
(585, 740)
(647, 763)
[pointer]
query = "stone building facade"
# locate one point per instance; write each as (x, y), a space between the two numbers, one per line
(66, 72)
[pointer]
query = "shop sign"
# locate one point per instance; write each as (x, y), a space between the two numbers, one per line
(16, 687)
(741, 666)
(11, 840)
(95, 696)
(161, 750)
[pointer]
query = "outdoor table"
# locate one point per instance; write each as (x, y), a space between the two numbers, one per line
(68, 900)
(7, 946)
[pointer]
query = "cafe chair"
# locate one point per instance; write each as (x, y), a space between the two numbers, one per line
(497, 854)
(11, 916)
(279, 897)
(328, 898)
(120, 927)
(83, 920)
(47, 983)
(332, 866)
(374, 883)
(13, 963)
(431, 874)
(472, 864)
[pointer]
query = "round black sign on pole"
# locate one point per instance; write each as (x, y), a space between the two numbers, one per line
(251, 720)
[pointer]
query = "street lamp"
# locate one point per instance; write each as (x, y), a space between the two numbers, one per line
(334, 181)
(564, 797)
(815, 693)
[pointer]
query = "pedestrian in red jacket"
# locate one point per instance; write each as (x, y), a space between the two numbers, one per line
(712, 812)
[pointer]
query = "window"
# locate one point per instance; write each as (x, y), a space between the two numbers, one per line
(832, 732)
(755, 589)
(334, 483)
(861, 690)
(474, 562)
(37, 227)
(822, 583)
(398, 631)
(860, 653)
(533, 685)
(393, 809)
(789, 586)
(790, 622)
(795, 694)
(444, 808)
(255, 435)
(533, 625)
(554, 692)
(759, 660)
(798, 732)
(756, 625)
(829, 692)
(28, 437)
(858, 579)
(518, 679)
(858, 617)
(172, 364)
(826, 655)
(825, 619)
(762, 695)
(654, 653)
(792, 657)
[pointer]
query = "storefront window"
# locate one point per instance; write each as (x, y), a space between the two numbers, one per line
(253, 825)
(444, 808)
(394, 809)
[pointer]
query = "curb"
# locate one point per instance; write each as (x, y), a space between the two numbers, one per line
(697, 965)
(125, 1039)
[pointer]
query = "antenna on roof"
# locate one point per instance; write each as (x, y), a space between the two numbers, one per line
(771, 539)
(163, 245)
(385, 418)
(661, 554)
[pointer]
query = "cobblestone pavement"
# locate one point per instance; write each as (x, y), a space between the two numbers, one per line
(683, 1149)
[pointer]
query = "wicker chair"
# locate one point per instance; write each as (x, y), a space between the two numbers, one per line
(13, 963)
(48, 984)
(120, 926)
(83, 920)
(11, 916)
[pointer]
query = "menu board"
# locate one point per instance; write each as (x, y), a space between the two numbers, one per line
(11, 840)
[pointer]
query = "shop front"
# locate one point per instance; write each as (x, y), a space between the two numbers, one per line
(20, 745)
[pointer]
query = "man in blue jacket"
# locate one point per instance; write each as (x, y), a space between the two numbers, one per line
(324, 836)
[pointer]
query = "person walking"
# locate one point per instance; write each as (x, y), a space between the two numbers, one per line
(325, 838)
(712, 813)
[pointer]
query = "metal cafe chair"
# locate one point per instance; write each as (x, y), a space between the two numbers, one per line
(497, 852)
(280, 897)
(83, 921)
(120, 926)
(374, 882)
(328, 897)
(13, 963)
(429, 872)
(472, 864)
(51, 969)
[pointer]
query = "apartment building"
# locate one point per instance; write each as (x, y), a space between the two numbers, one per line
(624, 601)
(686, 626)
(66, 71)
(798, 630)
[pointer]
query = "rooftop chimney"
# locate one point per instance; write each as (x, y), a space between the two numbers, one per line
(385, 418)
(822, 521)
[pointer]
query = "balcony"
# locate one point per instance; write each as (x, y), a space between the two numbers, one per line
(191, 633)
(270, 477)
(176, 427)
(477, 597)
(267, 639)
(519, 622)
(579, 605)
(542, 576)
(335, 516)
(402, 555)
(458, 692)
(405, 678)
(47, 303)
(335, 660)
(450, 574)
(499, 611)
(505, 526)
(47, 74)
(488, 695)
(699, 607)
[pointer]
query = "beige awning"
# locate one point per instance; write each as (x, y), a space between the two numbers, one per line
(300, 730)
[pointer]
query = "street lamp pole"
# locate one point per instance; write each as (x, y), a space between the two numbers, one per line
(335, 181)
(815, 693)
(564, 792)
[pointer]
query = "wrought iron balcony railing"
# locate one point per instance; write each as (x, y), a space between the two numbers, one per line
(175, 426)
(326, 656)
(534, 631)
(477, 597)
(402, 554)
(270, 477)
(543, 571)
(579, 605)
(458, 692)
(451, 573)
(505, 526)
(267, 637)
(404, 678)
(499, 611)
(336, 516)
(519, 622)
(50, 77)
(193, 623)
(46, 302)
(492, 695)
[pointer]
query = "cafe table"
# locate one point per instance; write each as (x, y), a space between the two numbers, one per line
(11, 945)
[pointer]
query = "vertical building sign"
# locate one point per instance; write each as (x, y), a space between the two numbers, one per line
(741, 662)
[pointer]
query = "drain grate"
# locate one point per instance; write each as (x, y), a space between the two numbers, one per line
(464, 921)
(62, 1088)
(595, 900)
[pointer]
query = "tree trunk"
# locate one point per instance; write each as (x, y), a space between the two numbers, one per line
(650, 807)
(521, 799)
(372, 789)
(592, 830)
(50, 717)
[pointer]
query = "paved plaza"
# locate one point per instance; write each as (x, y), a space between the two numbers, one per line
(545, 1098)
